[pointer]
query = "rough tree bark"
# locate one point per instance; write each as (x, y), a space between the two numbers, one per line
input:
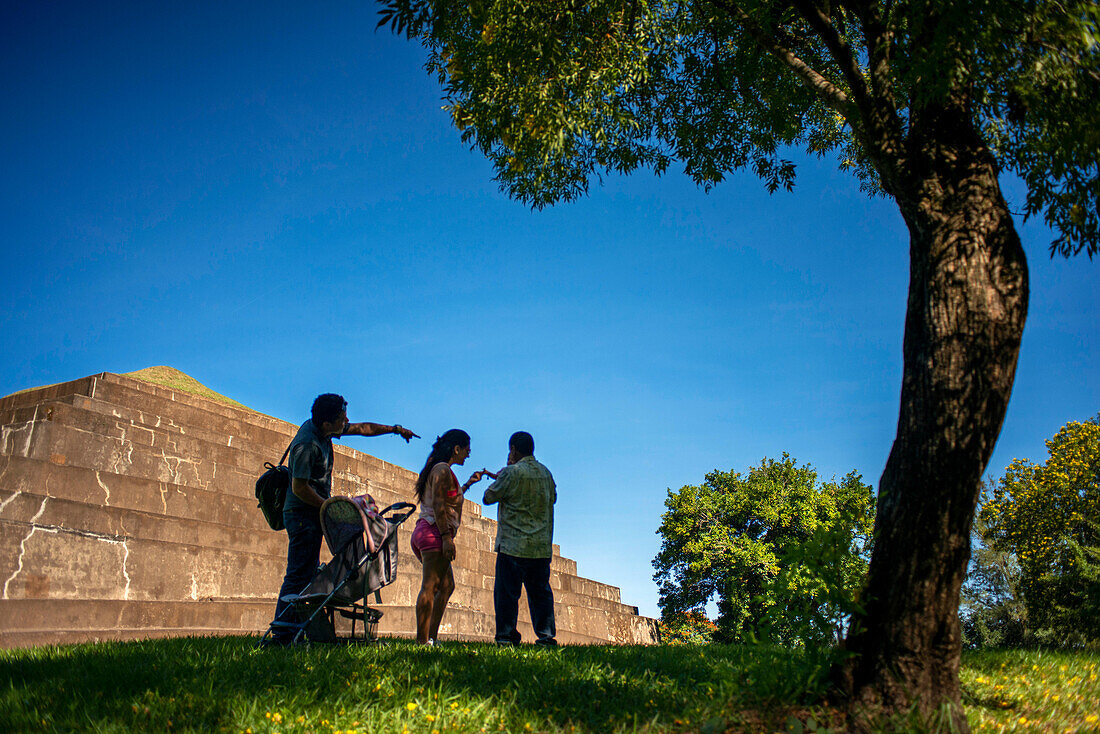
(968, 295)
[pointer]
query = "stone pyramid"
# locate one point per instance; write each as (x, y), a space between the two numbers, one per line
(127, 511)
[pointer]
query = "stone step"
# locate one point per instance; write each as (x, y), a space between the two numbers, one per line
(35, 395)
(28, 622)
(166, 444)
(187, 410)
(115, 393)
(110, 558)
(154, 399)
(30, 615)
(472, 625)
(164, 454)
(248, 437)
(177, 402)
(81, 495)
(195, 411)
(234, 616)
(157, 403)
(35, 477)
(54, 511)
(55, 438)
(39, 561)
(37, 638)
(51, 440)
(258, 445)
(51, 437)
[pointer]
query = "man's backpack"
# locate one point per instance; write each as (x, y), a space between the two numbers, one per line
(271, 489)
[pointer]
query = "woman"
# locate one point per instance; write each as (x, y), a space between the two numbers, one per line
(440, 498)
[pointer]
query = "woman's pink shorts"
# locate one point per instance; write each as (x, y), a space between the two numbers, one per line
(426, 537)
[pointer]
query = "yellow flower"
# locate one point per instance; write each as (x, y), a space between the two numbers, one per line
(429, 717)
(454, 704)
(410, 706)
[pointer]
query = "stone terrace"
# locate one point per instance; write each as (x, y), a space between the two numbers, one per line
(127, 510)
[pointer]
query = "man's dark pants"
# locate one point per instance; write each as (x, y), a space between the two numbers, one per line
(532, 574)
(303, 527)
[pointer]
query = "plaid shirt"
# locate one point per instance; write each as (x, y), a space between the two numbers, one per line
(525, 521)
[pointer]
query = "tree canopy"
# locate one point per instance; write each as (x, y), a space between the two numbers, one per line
(1045, 515)
(558, 92)
(782, 554)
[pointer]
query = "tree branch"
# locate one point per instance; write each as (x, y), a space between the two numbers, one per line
(828, 92)
(878, 34)
(822, 24)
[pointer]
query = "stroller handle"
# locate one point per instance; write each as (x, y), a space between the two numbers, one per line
(396, 508)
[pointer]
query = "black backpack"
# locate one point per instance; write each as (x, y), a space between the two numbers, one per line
(271, 489)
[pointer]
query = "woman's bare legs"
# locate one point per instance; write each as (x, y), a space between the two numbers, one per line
(436, 587)
(442, 595)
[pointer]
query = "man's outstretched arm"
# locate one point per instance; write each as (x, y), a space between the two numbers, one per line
(378, 429)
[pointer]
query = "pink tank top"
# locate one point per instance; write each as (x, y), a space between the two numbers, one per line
(427, 512)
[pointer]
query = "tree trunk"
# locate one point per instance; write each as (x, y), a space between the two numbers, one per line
(968, 293)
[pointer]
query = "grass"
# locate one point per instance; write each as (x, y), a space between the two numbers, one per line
(173, 379)
(226, 684)
(170, 378)
(1018, 691)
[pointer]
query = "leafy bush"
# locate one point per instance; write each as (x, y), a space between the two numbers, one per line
(783, 555)
(688, 628)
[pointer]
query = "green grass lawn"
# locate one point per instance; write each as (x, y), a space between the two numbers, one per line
(226, 684)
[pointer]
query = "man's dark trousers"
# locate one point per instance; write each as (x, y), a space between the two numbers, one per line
(532, 574)
(303, 526)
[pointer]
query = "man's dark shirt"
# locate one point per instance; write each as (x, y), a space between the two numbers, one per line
(310, 459)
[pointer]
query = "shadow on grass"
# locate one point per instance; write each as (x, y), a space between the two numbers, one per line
(226, 684)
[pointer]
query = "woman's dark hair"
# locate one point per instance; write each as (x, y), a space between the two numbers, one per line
(327, 408)
(442, 450)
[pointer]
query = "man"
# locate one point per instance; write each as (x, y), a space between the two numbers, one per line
(310, 464)
(526, 494)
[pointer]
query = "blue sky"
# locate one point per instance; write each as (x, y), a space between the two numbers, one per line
(269, 198)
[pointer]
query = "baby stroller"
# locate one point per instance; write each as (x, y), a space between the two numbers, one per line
(363, 543)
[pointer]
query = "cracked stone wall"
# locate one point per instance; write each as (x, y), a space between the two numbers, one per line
(127, 511)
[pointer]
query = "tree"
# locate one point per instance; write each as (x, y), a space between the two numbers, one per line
(927, 102)
(992, 609)
(1045, 516)
(687, 628)
(783, 555)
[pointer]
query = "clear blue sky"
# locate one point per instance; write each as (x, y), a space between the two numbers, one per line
(269, 198)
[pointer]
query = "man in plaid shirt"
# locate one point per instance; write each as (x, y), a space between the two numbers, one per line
(526, 493)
